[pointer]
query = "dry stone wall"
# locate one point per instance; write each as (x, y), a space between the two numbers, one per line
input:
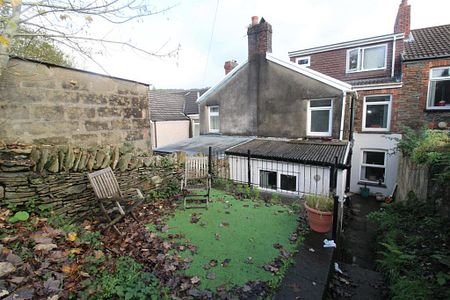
(56, 176)
(47, 104)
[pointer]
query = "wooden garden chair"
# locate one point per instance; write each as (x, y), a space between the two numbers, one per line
(107, 191)
(196, 182)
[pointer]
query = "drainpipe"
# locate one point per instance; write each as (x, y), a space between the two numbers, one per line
(156, 136)
(350, 138)
(393, 57)
(341, 131)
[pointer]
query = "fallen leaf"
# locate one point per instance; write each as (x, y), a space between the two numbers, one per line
(72, 236)
(211, 275)
(225, 262)
(217, 236)
(84, 274)
(9, 239)
(98, 254)
(165, 228)
(75, 250)
(195, 280)
(6, 268)
(70, 268)
(195, 218)
(45, 247)
(249, 260)
(293, 237)
(213, 263)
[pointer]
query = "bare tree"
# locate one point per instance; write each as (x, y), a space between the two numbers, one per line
(66, 23)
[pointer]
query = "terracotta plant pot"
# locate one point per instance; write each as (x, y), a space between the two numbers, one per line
(319, 221)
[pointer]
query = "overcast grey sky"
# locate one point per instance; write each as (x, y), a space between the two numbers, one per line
(296, 24)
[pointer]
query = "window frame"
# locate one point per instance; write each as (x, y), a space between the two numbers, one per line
(276, 176)
(278, 187)
(361, 59)
(330, 118)
(365, 103)
(301, 58)
(431, 79)
(213, 114)
(361, 179)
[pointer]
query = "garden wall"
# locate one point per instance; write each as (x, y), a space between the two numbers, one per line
(47, 104)
(36, 177)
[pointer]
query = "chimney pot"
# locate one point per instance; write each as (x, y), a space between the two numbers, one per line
(229, 65)
(254, 20)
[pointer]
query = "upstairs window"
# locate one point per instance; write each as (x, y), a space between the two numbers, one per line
(214, 123)
(303, 61)
(439, 89)
(319, 117)
(376, 113)
(366, 58)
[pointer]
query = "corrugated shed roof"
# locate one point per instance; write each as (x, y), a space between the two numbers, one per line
(431, 42)
(201, 144)
(309, 152)
(166, 105)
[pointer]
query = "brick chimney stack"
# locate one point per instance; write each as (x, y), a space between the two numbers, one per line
(259, 37)
(403, 20)
(229, 65)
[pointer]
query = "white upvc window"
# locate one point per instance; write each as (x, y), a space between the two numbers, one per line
(367, 58)
(214, 121)
(376, 113)
(373, 166)
(304, 61)
(319, 119)
(439, 89)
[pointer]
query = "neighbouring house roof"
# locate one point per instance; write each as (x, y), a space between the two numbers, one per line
(173, 104)
(190, 104)
(348, 44)
(340, 85)
(201, 144)
(166, 106)
(307, 152)
(426, 43)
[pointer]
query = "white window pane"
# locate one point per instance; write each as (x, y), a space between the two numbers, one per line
(373, 158)
(440, 93)
(214, 122)
(320, 103)
(373, 174)
(378, 98)
(268, 179)
(196, 128)
(377, 116)
(288, 182)
(213, 109)
(353, 59)
(320, 120)
(374, 58)
(440, 72)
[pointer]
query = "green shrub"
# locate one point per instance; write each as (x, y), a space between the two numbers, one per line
(320, 202)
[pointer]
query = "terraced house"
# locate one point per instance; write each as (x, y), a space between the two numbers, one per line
(401, 79)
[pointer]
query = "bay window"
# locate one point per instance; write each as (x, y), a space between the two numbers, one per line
(439, 88)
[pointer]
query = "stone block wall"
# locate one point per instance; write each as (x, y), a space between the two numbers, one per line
(48, 104)
(31, 178)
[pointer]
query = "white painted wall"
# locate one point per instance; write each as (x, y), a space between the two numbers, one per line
(169, 132)
(374, 141)
(305, 174)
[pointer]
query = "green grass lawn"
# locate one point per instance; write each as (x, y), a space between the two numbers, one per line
(234, 230)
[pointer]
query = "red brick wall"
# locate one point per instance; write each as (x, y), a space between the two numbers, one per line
(414, 94)
(395, 92)
(333, 63)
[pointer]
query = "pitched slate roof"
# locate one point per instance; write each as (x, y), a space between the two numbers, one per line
(166, 105)
(173, 104)
(190, 105)
(308, 152)
(431, 42)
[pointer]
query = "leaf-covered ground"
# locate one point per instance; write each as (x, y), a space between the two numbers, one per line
(235, 240)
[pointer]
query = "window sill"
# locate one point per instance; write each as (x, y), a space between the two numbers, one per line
(363, 183)
(430, 109)
(368, 130)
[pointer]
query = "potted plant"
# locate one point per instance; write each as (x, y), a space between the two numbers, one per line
(365, 191)
(320, 212)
